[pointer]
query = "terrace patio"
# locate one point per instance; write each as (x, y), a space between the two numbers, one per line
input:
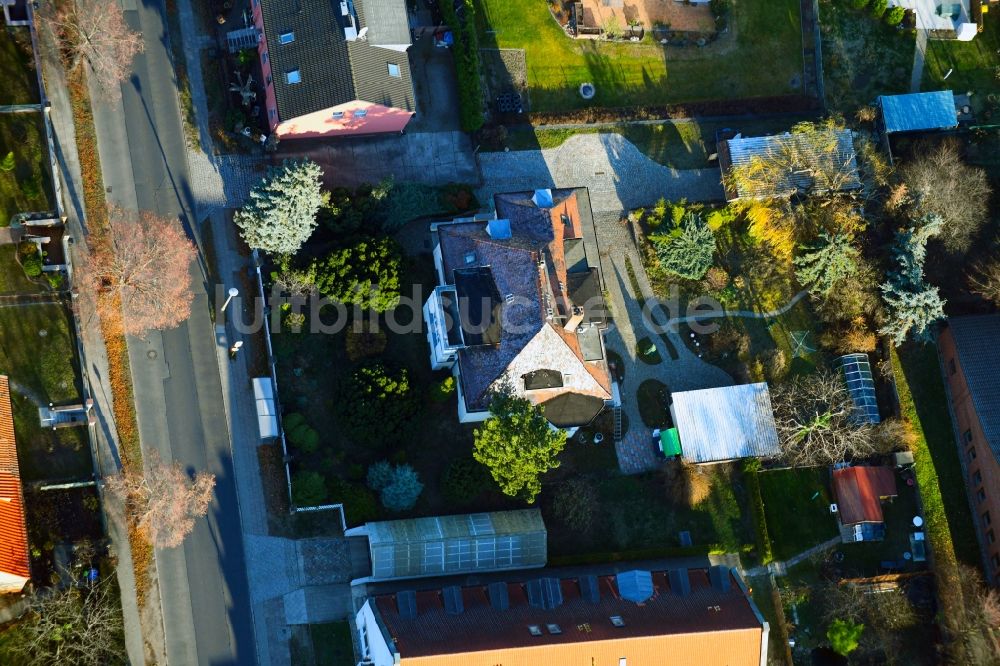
(673, 14)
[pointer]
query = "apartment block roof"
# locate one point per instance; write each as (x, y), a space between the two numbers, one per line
(977, 341)
(14, 563)
(332, 69)
(696, 616)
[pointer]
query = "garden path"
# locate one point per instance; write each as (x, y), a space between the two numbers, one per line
(780, 567)
(684, 373)
(745, 314)
(919, 53)
(617, 174)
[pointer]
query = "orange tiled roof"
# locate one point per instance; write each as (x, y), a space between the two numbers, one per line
(13, 529)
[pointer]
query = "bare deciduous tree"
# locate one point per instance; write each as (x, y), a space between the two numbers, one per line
(941, 183)
(984, 278)
(815, 419)
(165, 501)
(886, 612)
(72, 625)
(94, 31)
(141, 275)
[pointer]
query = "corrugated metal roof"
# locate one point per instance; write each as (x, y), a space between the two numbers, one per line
(14, 563)
(977, 340)
(465, 543)
(858, 490)
(919, 111)
(741, 151)
(726, 423)
(709, 626)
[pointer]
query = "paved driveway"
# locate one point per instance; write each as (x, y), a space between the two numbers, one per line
(618, 175)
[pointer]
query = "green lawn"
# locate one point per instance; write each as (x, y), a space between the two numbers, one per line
(12, 277)
(797, 509)
(862, 56)
(20, 85)
(647, 73)
(46, 366)
(27, 188)
(973, 63)
(680, 144)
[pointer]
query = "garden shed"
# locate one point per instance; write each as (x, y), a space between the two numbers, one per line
(726, 423)
(918, 112)
(448, 545)
(859, 491)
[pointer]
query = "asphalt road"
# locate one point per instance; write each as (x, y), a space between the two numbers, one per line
(203, 584)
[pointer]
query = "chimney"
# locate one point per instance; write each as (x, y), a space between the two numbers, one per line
(680, 583)
(575, 319)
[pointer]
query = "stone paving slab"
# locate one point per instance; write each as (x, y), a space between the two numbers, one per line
(618, 175)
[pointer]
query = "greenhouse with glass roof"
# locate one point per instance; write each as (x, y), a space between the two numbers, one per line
(447, 545)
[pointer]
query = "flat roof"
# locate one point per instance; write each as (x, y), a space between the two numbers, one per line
(916, 112)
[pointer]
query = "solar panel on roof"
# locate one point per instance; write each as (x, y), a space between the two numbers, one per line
(635, 586)
(453, 604)
(406, 604)
(499, 597)
(589, 589)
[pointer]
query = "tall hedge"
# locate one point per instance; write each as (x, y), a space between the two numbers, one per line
(466, 54)
(751, 466)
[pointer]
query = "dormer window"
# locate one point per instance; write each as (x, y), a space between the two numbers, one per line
(534, 630)
(286, 37)
(293, 76)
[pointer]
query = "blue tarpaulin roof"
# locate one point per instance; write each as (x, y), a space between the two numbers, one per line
(919, 111)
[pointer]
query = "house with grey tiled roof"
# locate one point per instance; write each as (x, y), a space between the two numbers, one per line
(519, 303)
(335, 67)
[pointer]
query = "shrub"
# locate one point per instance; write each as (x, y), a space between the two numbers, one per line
(403, 490)
(379, 475)
(716, 279)
(878, 8)
(719, 8)
(687, 254)
(442, 390)
(859, 4)
(32, 264)
(293, 421)
(8, 163)
(843, 636)
(375, 403)
(360, 503)
(308, 488)
(463, 481)
(895, 16)
(466, 55)
(304, 438)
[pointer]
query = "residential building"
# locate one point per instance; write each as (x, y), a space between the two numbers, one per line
(15, 567)
(801, 160)
(582, 617)
(520, 303)
(725, 423)
(942, 20)
(970, 351)
(450, 545)
(334, 67)
(917, 112)
(859, 492)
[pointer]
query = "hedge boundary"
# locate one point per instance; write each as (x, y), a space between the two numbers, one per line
(750, 468)
(640, 554)
(467, 65)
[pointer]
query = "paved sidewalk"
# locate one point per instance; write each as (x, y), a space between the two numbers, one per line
(780, 567)
(618, 175)
(687, 372)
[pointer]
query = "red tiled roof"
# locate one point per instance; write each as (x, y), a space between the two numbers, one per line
(708, 626)
(858, 490)
(13, 529)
